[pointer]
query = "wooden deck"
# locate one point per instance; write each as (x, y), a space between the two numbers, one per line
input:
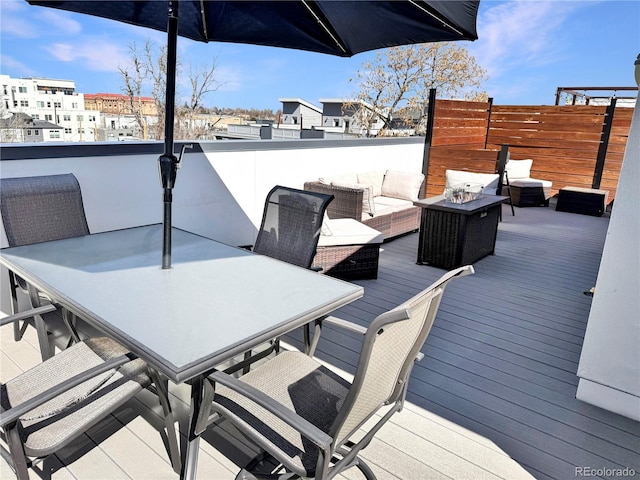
(494, 396)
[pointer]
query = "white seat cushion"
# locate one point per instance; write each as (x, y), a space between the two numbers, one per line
(347, 231)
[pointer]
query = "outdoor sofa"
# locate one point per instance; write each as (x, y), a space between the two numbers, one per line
(382, 200)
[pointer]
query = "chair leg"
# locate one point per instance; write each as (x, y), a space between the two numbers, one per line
(365, 469)
(18, 331)
(17, 453)
(43, 338)
(162, 387)
(513, 212)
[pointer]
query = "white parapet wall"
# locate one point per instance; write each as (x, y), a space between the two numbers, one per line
(220, 188)
(609, 368)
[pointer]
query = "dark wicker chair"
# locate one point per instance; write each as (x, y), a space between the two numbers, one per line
(308, 418)
(291, 225)
(40, 209)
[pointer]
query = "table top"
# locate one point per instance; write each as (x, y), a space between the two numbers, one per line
(216, 301)
(468, 208)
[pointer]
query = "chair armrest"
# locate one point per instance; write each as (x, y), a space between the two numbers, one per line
(13, 414)
(347, 202)
(306, 428)
(344, 324)
(27, 314)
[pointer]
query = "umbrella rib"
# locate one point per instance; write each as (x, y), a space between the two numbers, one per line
(204, 20)
(433, 15)
(326, 29)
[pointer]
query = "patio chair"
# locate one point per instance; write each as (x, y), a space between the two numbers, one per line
(48, 406)
(40, 209)
(291, 225)
(305, 416)
(292, 221)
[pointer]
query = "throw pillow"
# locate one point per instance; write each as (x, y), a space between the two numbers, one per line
(403, 185)
(373, 178)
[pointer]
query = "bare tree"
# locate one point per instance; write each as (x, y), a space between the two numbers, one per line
(395, 84)
(133, 82)
(201, 83)
(147, 72)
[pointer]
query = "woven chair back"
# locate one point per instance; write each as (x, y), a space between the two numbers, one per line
(40, 209)
(291, 224)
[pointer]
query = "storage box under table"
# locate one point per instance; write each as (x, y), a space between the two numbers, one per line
(586, 201)
(454, 235)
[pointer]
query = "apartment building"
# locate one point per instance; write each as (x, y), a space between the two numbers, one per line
(47, 104)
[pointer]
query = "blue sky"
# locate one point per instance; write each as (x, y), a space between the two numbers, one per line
(529, 48)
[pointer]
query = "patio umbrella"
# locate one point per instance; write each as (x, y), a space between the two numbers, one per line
(341, 28)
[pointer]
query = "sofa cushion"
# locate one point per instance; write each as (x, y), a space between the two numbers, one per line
(389, 205)
(530, 182)
(403, 185)
(489, 181)
(373, 178)
(347, 231)
(518, 169)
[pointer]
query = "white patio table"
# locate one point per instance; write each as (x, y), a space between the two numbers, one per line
(217, 301)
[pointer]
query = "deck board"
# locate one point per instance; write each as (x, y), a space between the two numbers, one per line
(493, 398)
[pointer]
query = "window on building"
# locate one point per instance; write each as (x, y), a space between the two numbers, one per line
(48, 118)
(66, 118)
(113, 124)
(4, 90)
(48, 104)
(22, 89)
(35, 116)
(29, 133)
(15, 103)
(24, 103)
(57, 104)
(68, 130)
(336, 122)
(36, 132)
(80, 118)
(54, 134)
(295, 120)
(74, 105)
(40, 104)
(92, 118)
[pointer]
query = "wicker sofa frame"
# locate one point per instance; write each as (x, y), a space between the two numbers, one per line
(347, 203)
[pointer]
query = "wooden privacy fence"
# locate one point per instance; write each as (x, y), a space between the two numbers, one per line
(577, 145)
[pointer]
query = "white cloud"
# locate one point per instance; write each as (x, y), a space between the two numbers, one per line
(14, 21)
(11, 64)
(520, 33)
(96, 53)
(58, 22)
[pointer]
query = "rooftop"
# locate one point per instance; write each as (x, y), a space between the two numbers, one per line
(494, 396)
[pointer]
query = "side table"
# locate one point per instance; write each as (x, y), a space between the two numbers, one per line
(452, 235)
(586, 201)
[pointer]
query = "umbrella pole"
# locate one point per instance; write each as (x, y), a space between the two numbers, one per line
(168, 162)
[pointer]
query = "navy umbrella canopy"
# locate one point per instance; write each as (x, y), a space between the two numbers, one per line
(343, 28)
